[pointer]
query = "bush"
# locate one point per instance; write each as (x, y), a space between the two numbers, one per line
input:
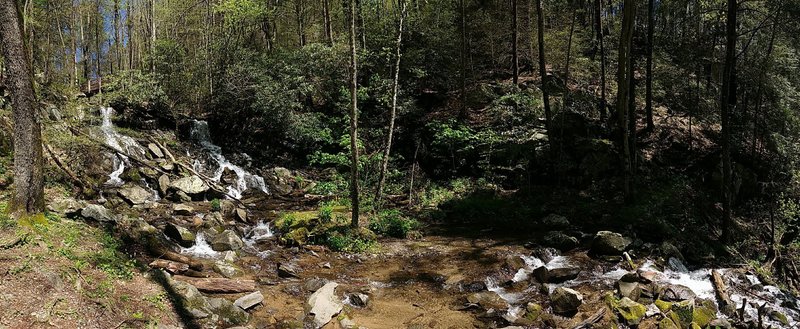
(216, 205)
(393, 223)
(347, 240)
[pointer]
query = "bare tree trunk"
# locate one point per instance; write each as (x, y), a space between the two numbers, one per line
(129, 21)
(387, 151)
(117, 36)
(569, 47)
(514, 41)
(649, 80)
(152, 35)
(28, 174)
(301, 33)
(97, 43)
(728, 104)
(543, 72)
(599, 29)
(463, 61)
(354, 191)
(760, 91)
(326, 14)
(624, 76)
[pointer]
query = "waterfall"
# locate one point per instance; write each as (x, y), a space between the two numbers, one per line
(120, 143)
(244, 180)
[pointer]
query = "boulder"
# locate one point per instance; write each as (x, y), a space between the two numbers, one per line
(358, 299)
(323, 305)
(488, 300)
(226, 269)
(163, 184)
(555, 275)
(135, 194)
(559, 240)
(631, 311)
(241, 215)
(554, 221)
(609, 243)
(196, 304)
(98, 213)
(288, 271)
(629, 289)
(676, 265)
(155, 150)
(66, 206)
(565, 301)
(179, 234)
(229, 314)
(182, 209)
(227, 240)
(546, 254)
(676, 293)
(247, 301)
(191, 185)
(228, 176)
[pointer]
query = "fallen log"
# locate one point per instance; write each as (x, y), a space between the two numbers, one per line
(65, 169)
(170, 266)
(219, 285)
(726, 305)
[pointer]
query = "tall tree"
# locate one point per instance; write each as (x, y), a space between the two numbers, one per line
(624, 79)
(354, 191)
(326, 14)
(514, 41)
(28, 174)
(393, 114)
(599, 35)
(727, 105)
(649, 79)
(543, 71)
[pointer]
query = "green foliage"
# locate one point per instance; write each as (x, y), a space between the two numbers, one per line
(216, 205)
(349, 240)
(393, 223)
(133, 88)
(325, 213)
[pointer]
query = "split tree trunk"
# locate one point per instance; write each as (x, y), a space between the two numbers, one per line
(28, 175)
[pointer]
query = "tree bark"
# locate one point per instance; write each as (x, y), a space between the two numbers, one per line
(727, 105)
(326, 13)
(599, 30)
(28, 175)
(354, 190)
(624, 76)
(569, 47)
(301, 32)
(463, 61)
(393, 114)
(543, 72)
(649, 79)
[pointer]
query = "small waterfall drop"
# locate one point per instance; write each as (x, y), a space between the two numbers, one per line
(120, 143)
(244, 180)
(201, 248)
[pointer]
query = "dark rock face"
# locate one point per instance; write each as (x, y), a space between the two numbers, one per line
(565, 301)
(555, 275)
(607, 243)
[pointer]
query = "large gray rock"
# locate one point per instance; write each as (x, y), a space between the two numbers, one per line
(227, 240)
(488, 300)
(155, 150)
(560, 240)
(676, 293)
(247, 301)
(182, 209)
(98, 213)
(191, 185)
(323, 304)
(179, 234)
(135, 194)
(555, 275)
(554, 221)
(228, 313)
(226, 269)
(196, 304)
(609, 243)
(163, 184)
(565, 301)
(286, 270)
(66, 206)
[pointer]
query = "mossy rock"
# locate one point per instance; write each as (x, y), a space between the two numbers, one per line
(780, 317)
(632, 312)
(667, 323)
(533, 311)
(682, 313)
(663, 306)
(704, 312)
(297, 236)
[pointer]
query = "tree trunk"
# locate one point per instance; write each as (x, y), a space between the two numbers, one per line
(28, 175)
(326, 13)
(760, 91)
(543, 72)
(649, 80)
(463, 62)
(153, 35)
(569, 47)
(624, 76)
(97, 44)
(728, 104)
(387, 151)
(514, 40)
(129, 27)
(599, 30)
(301, 33)
(117, 36)
(354, 191)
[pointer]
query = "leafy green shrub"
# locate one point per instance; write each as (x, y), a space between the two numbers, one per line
(216, 205)
(325, 214)
(393, 223)
(348, 240)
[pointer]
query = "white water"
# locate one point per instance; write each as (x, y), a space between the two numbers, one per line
(260, 232)
(201, 248)
(244, 181)
(120, 143)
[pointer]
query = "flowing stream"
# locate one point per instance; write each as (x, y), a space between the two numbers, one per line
(120, 143)
(244, 180)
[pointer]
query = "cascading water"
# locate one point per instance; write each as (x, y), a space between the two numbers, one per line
(120, 143)
(201, 248)
(244, 179)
